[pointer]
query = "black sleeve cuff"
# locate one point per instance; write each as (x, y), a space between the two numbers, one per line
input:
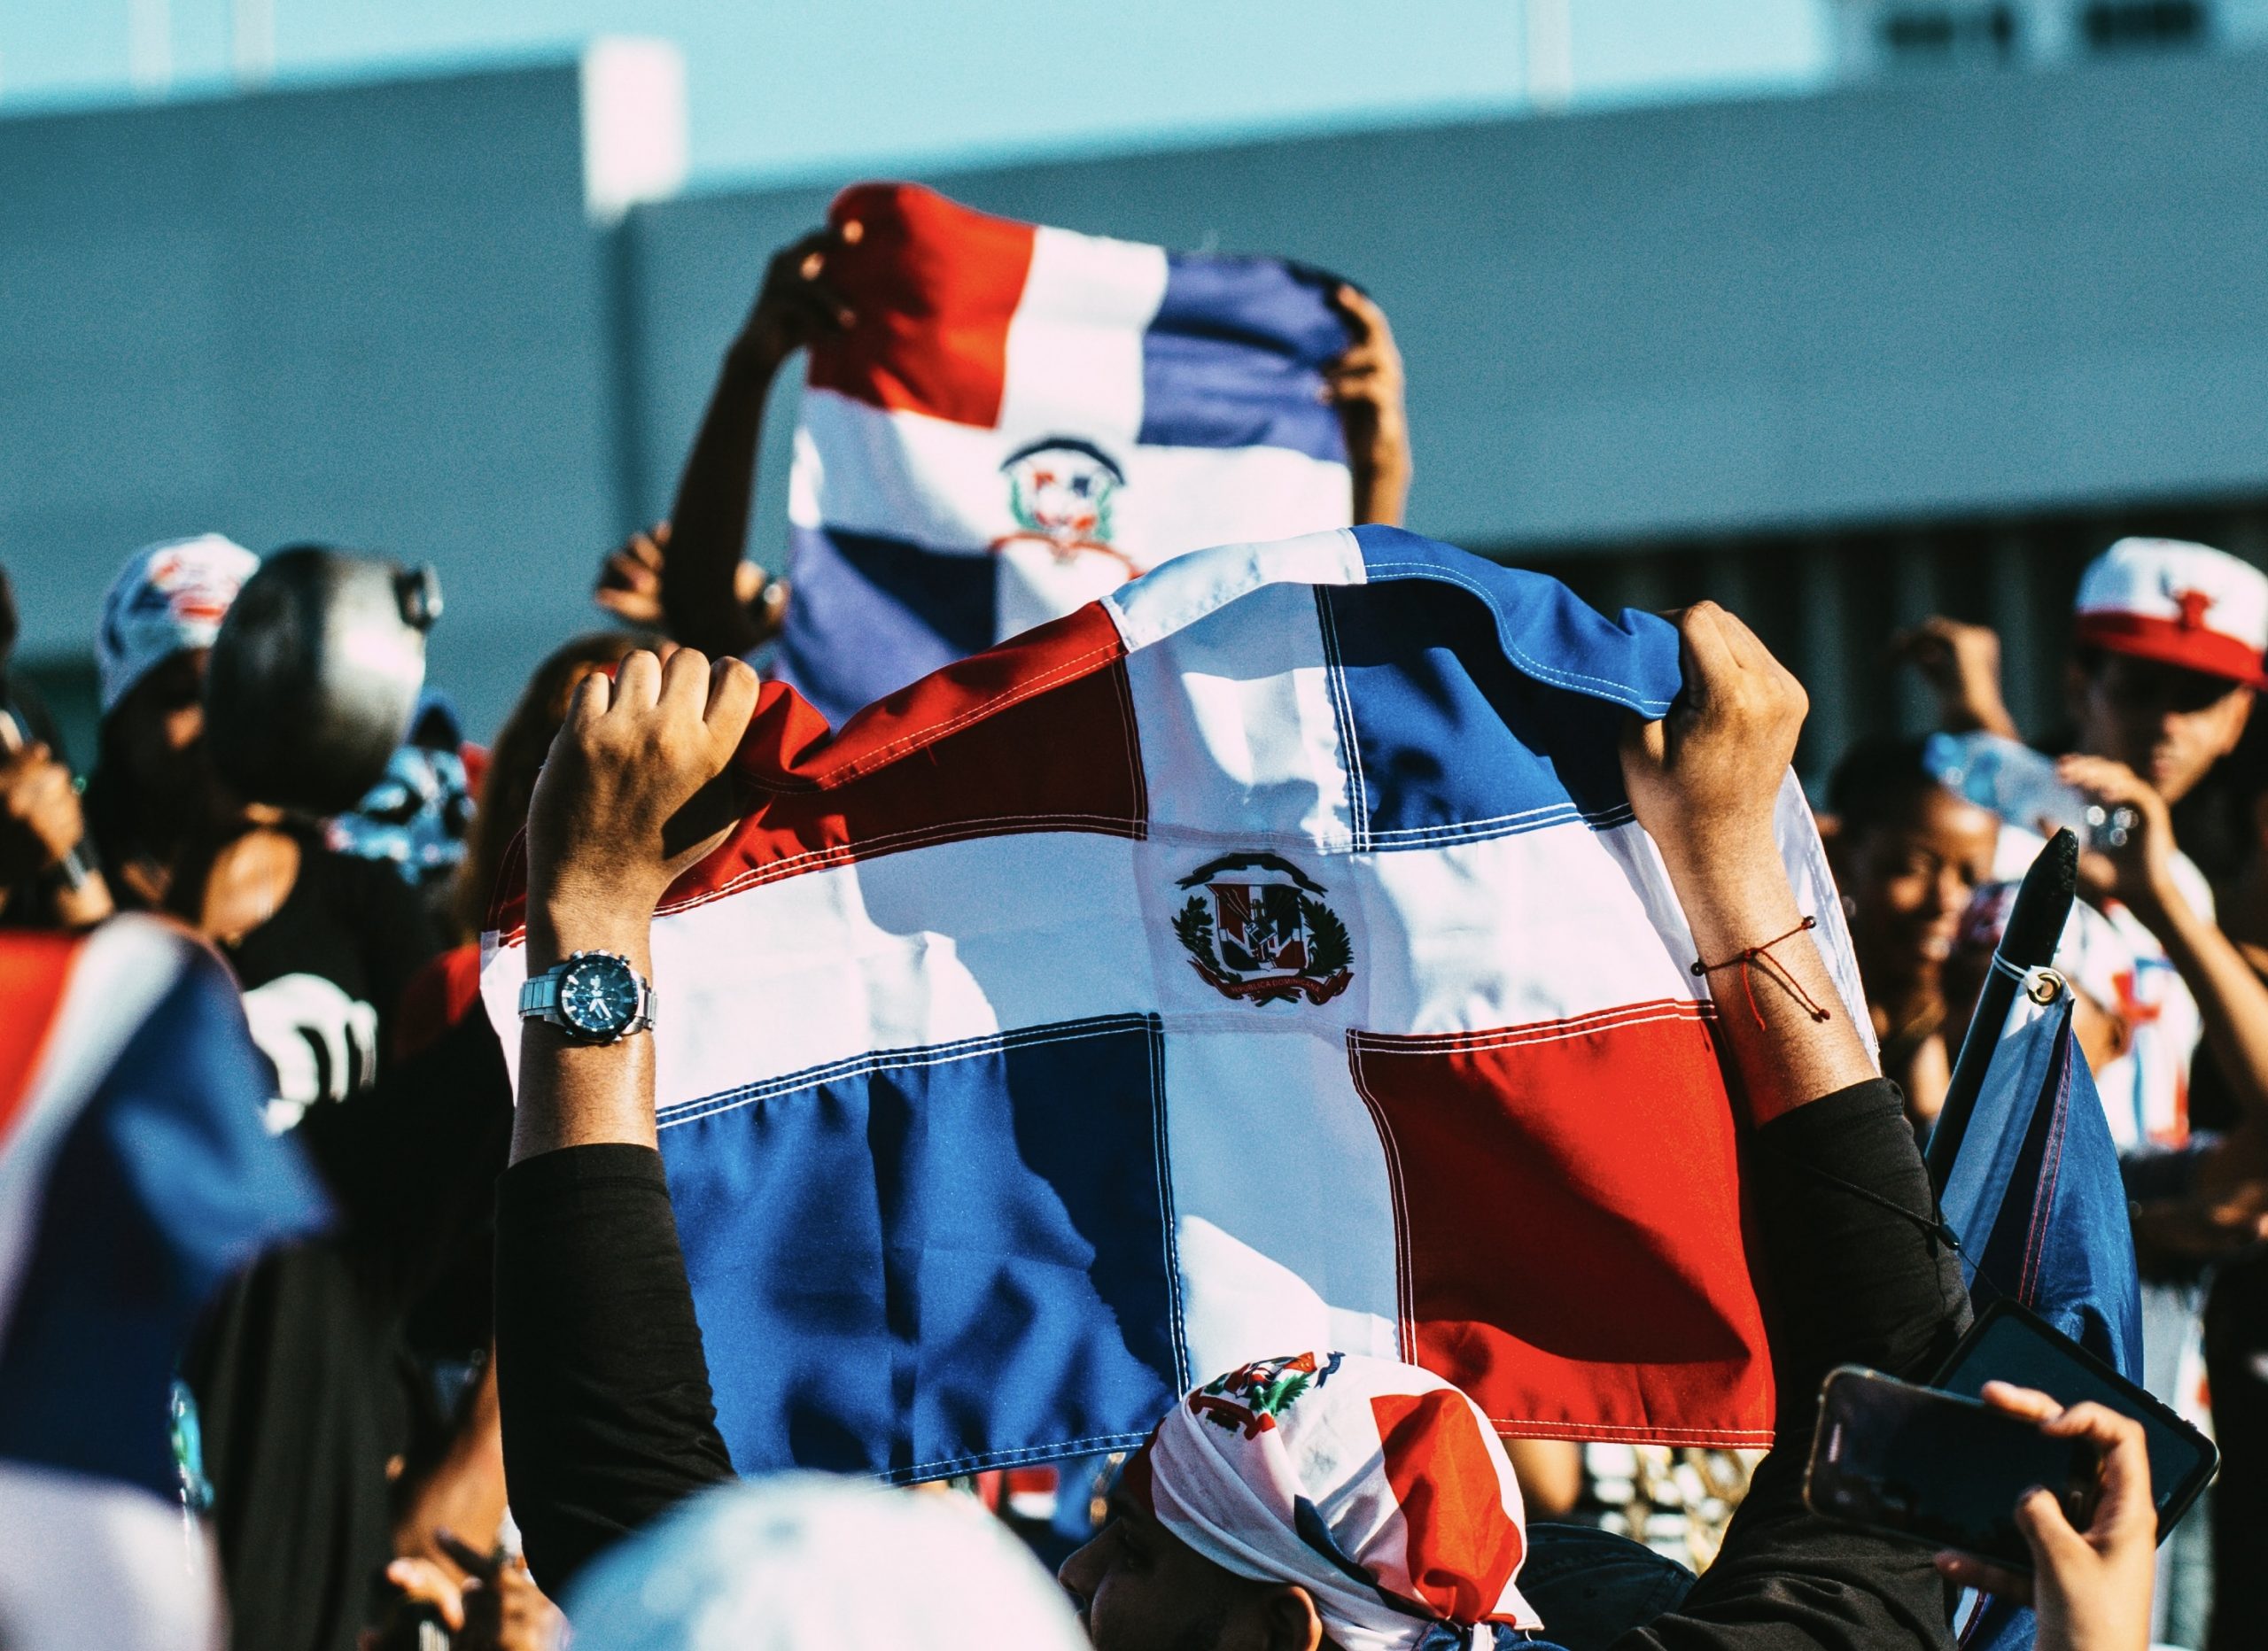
(1854, 1262)
(560, 1174)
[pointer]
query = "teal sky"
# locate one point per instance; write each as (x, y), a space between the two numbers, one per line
(778, 88)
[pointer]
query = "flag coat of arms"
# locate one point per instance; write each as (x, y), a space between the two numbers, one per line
(1262, 956)
(1024, 418)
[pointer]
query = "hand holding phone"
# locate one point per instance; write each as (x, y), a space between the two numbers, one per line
(2090, 1582)
(1940, 1469)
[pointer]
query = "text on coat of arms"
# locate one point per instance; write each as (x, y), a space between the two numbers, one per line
(1256, 927)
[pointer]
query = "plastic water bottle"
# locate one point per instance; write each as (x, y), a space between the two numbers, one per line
(2019, 785)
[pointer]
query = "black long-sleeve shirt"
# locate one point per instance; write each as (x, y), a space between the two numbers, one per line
(599, 1375)
(608, 1421)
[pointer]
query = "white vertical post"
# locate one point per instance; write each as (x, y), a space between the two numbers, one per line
(251, 41)
(149, 45)
(633, 124)
(1551, 49)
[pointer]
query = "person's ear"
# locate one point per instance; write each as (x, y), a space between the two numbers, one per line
(1289, 1620)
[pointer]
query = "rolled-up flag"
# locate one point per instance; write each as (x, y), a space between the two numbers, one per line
(2035, 924)
(2028, 1173)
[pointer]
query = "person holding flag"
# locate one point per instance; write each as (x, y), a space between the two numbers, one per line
(689, 575)
(1242, 1522)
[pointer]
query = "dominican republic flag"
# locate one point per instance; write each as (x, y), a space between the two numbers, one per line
(1261, 957)
(1023, 419)
(134, 1176)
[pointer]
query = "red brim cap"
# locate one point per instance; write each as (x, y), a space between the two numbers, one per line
(2170, 643)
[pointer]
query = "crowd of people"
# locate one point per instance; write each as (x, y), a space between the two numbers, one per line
(484, 1389)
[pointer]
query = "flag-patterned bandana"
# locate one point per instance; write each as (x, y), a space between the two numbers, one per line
(1376, 1486)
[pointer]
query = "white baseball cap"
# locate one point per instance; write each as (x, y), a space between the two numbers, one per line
(169, 597)
(2178, 603)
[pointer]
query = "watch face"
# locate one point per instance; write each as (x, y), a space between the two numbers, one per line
(598, 995)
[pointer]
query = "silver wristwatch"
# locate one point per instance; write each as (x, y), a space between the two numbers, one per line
(593, 997)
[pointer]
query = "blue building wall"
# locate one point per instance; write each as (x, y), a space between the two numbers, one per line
(370, 315)
(379, 315)
(1932, 297)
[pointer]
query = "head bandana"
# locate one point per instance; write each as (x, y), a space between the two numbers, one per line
(167, 599)
(1378, 1487)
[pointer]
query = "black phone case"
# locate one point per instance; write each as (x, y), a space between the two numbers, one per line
(2172, 1501)
(2015, 1555)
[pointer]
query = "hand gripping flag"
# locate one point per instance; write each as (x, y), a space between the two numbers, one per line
(1023, 419)
(134, 1174)
(1262, 956)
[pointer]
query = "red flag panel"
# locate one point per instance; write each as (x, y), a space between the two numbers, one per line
(933, 286)
(1573, 1254)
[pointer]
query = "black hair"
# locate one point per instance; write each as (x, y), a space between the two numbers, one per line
(1878, 782)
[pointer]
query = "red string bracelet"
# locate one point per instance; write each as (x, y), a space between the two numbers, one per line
(1746, 962)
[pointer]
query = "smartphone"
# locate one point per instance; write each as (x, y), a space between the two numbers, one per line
(2009, 1343)
(1936, 1468)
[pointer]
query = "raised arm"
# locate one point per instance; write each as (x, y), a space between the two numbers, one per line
(1961, 664)
(1366, 386)
(1705, 781)
(2231, 1001)
(43, 834)
(626, 801)
(1845, 1231)
(709, 598)
(608, 1419)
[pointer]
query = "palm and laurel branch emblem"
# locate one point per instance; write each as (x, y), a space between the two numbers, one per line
(1332, 951)
(1194, 925)
(1272, 959)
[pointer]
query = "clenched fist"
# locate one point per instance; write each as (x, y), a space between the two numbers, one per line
(1705, 778)
(625, 802)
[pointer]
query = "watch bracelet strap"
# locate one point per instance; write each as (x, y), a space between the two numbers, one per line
(539, 999)
(539, 996)
(69, 873)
